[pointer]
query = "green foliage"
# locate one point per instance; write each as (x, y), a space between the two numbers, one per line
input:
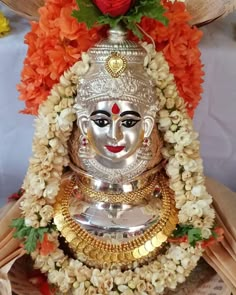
(89, 14)
(215, 235)
(194, 234)
(18, 223)
(30, 235)
(182, 230)
(150, 8)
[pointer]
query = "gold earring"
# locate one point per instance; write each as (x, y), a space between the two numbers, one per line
(145, 152)
(85, 150)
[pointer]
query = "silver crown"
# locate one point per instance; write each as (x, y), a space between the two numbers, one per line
(116, 73)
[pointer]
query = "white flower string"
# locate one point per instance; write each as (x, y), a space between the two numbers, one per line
(181, 148)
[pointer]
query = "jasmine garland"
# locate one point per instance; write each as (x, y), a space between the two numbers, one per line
(184, 167)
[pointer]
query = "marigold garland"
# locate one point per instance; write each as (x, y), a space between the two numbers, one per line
(57, 41)
(54, 44)
(179, 43)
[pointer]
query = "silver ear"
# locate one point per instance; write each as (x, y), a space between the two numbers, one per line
(82, 123)
(149, 123)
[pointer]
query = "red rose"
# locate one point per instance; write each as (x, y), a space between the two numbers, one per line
(114, 7)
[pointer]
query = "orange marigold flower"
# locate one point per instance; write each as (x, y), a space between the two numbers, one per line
(218, 237)
(179, 43)
(58, 40)
(54, 44)
(46, 247)
(178, 240)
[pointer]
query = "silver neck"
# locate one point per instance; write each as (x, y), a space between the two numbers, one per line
(101, 186)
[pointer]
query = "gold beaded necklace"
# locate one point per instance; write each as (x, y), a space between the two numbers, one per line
(96, 250)
(129, 198)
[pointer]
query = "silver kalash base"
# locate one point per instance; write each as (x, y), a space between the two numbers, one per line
(116, 221)
(105, 217)
(112, 219)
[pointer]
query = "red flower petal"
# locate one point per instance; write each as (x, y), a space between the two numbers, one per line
(113, 7)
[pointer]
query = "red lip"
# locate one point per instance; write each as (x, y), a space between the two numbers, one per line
(114, 149)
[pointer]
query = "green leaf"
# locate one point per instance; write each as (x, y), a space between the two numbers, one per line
(135, 30)
(106, 20)
(18, 223)
(41, 232)
(20, 234)
(52, 227)
(31, 241)
(29, 234)
(194, 235)
(182, 230)
(135, 17)
(35, 235)
(88, 13)
(214, 234)
(149, 8)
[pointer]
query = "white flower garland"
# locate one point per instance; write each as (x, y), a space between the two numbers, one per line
(181, 148)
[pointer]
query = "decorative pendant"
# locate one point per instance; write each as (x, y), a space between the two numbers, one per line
(116, 64)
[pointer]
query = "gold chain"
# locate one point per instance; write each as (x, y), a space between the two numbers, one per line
(133, 197)
(95, 250)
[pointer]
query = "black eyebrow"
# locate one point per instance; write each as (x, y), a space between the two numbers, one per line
(100, 112)
(130, 113)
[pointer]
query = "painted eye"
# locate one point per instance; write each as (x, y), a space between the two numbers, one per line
(101, 122)
(129, 123)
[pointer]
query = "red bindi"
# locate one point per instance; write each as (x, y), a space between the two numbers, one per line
(115, 109)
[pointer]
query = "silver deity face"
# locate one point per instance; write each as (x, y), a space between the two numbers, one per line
(115, 130)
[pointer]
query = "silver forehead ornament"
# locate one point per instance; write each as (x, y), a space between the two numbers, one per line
(117, 73)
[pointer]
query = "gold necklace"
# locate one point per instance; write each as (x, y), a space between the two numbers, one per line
(129, 198)
(97, 251)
